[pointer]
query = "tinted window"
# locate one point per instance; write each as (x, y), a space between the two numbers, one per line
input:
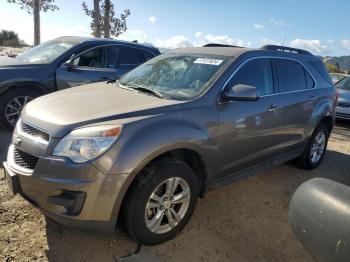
(309, 81)
(291, 75)
(257, 73)
(93, 58)
(321, 69)
(112, 56)
(132, 56)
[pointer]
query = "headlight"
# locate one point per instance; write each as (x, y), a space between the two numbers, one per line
(87, 143)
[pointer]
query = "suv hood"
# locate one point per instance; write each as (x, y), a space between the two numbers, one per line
(93, 103)
(10, 62)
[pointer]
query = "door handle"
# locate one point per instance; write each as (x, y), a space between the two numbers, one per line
(273, 108)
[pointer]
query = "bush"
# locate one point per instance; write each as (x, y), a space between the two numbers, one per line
(333, 68)
(9, 38)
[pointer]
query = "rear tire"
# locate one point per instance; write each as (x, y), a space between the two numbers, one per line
(149, 202)
(315, 148)
(12, 103)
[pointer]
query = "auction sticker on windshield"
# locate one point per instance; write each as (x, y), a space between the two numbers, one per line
(208, 61)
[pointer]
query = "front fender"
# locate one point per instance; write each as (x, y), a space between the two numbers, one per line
(143, 141)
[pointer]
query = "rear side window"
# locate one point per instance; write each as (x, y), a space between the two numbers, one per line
(291, 75)
(133, 56)
(310, 83)
(257, 73)
(321, 69)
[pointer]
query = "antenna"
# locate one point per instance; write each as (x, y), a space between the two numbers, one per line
(284, 41)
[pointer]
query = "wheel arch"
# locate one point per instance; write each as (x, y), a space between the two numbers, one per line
(188, 155)
(23, 83)
(327, 121)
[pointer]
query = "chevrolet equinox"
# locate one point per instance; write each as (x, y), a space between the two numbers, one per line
(141, 149)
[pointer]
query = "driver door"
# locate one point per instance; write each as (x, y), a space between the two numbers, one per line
(94, 65)
(250, 130)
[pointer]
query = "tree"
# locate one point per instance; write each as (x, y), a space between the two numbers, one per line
(95, 14)
(34, 7)
(9, 38)
(110, 25)
(332, 68)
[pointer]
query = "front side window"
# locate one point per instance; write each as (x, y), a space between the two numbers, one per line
(344, 84)
(291, 75)
(176, 76)
(94, 58)
(256, 73)
(49, 51)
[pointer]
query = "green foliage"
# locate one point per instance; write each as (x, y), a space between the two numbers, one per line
(115, 25)
(9, 38)
(333, 68)
(45, 5)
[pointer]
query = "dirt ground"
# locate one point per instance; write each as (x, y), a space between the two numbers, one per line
(246, 221)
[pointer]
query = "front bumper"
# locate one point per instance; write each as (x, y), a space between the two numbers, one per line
(343, 113)
(52, 178)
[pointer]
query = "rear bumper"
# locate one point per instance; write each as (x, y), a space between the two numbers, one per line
(58, 184)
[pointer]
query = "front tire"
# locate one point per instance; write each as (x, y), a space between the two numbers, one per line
(12, 103)
(315, 148)
(161, 202)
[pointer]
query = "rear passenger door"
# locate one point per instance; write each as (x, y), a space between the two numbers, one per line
(298, 97)
(130, 57)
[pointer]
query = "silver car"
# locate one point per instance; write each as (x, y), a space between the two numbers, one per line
(343, 106)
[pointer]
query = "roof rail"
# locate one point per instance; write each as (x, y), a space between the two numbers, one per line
(220, 45)
(286, 49)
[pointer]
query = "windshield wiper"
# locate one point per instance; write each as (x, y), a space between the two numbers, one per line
(143, 89)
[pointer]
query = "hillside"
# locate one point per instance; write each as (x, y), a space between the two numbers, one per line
(344, 61)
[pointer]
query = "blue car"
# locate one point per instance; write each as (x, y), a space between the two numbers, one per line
(62, 63)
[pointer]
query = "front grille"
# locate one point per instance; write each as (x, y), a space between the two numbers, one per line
(343, 104)
(23, 159)
(34, 132)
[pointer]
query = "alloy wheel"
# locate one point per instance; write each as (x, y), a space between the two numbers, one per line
(167, 205)
(318, 147)
(14, 108)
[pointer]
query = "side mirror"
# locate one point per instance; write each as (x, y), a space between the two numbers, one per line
(241, 92)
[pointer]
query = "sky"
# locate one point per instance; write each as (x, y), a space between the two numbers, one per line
(320, 26)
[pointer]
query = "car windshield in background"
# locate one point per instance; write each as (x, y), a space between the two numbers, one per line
(176, 76)
(344, 84)
(47, 52)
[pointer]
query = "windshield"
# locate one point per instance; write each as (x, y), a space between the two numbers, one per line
(47, 52)
(176, 76)
(344, 84)
(336, 78)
